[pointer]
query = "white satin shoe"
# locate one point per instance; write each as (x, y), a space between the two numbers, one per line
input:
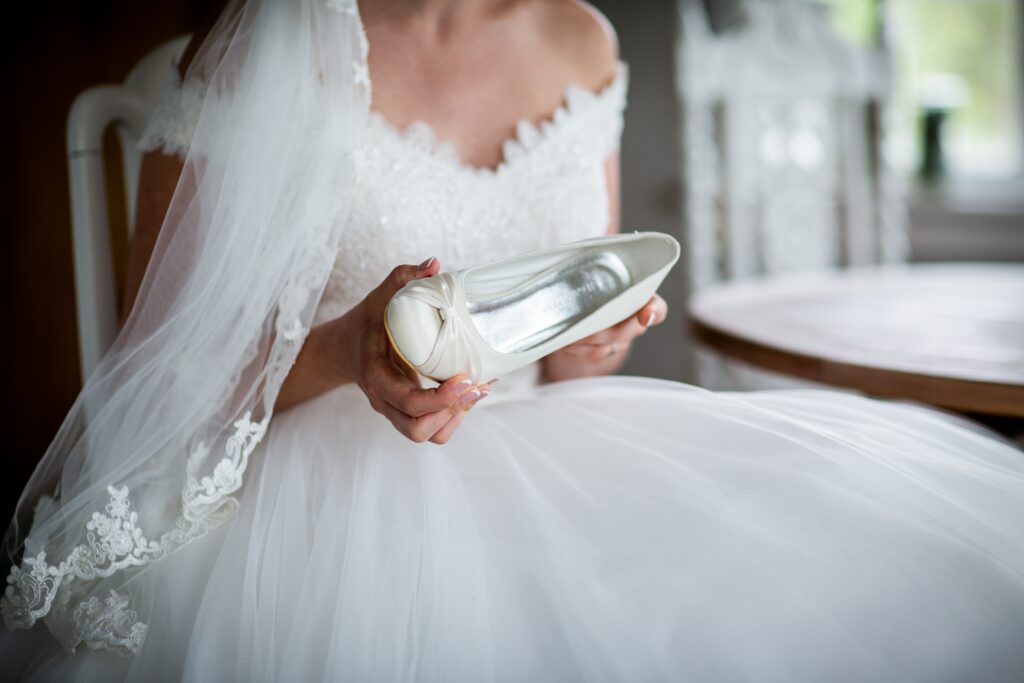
(489, 320)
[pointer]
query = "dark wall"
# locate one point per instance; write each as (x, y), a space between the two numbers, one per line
(51, 53)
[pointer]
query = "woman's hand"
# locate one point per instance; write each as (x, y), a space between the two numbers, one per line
(355, 348)
(605, 351)
(391, 386)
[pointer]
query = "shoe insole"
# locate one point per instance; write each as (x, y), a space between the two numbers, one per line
(550, 303)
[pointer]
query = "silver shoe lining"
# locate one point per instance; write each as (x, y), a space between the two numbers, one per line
(551, 302)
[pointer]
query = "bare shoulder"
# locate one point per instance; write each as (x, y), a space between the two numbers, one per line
(582, 39)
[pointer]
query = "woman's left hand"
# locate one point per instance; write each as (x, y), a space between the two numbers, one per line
(604, 351)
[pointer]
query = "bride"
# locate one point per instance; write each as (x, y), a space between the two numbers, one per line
(571, 527)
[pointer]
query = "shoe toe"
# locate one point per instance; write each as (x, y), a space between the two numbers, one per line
(413, 326)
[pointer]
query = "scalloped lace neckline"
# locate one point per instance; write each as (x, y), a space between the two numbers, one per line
(526, 136)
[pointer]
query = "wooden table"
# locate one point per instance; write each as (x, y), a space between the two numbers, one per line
(950, 335)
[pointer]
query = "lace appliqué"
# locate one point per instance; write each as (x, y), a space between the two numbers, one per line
(106, 624)
(588, 123)
(173, 120)
(204, 497)
(175, 116)
(416, 197)
(114, 541)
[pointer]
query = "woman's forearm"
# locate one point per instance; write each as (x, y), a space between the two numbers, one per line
(319, 367)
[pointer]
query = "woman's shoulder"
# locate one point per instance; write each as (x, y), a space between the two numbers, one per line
(582, 39)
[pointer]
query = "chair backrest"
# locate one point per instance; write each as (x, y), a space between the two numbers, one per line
(125, 106)
(783, 163)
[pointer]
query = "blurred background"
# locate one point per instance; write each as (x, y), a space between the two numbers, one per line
(906, 66)
(768, 135)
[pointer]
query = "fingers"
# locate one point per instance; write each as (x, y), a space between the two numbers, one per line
(607, 342)
(653, 313)
(445, 433)
(596, 352)
(401, 275)
(437, 427)
(388, 378)
(419, 414)
(417, 429)
(616, 339)
(404, 394)
(393, 389)
(400, 362)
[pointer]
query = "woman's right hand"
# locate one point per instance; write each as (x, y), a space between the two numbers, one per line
(391, 386)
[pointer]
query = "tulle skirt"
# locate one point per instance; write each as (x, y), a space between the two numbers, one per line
(610, 529)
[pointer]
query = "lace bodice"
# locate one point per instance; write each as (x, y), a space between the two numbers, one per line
(416, 199)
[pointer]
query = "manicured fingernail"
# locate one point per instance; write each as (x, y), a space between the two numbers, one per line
(471, 395)
(426, 264)
(650, 319)
(462, 387)
(484, 391)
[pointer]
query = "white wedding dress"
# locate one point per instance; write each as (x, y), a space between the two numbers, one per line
(612, 529)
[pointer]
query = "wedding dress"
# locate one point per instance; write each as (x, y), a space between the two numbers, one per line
(602, 529)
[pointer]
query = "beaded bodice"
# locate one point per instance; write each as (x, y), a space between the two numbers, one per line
(416, 199)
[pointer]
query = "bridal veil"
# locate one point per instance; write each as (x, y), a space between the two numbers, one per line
(156, 445)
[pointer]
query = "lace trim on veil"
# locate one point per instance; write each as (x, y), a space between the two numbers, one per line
(114, 539)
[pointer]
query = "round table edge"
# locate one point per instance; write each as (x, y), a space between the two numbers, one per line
(973, 396)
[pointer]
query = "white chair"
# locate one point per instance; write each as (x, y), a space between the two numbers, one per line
(784, 162)
(784, 166)
(125, 106)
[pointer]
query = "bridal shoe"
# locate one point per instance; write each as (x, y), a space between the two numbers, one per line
(491, 319)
